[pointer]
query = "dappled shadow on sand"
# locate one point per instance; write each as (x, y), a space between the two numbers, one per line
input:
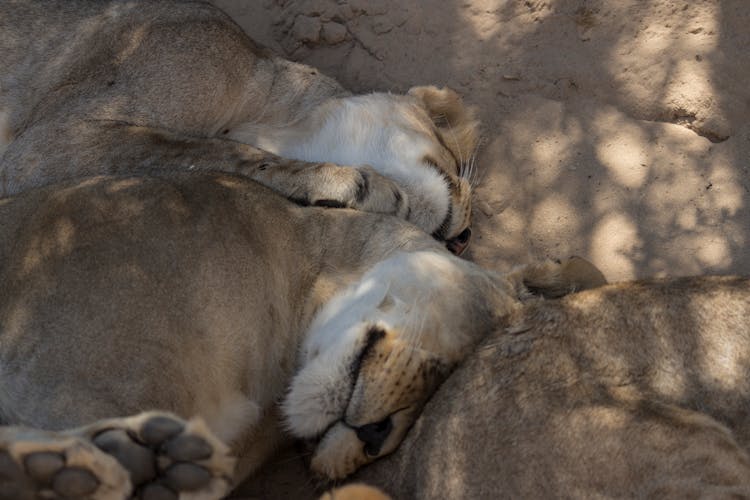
(616, 130)
(619, 141)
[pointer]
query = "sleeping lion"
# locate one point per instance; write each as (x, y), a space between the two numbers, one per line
(164, 285)
(632, 390)
(127, 294)
(111, 87)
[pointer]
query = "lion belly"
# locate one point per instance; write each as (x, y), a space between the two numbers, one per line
(125, 295)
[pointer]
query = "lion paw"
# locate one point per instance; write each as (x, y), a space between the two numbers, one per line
(361, 188)
(331, 185)
(38, 464)
(379, 194)
(167, 457)
(151, 456)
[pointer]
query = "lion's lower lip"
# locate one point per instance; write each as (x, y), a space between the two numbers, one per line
(371, 452)
(456, 248)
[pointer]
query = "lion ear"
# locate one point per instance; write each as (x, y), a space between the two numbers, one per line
(556, 279)
(456, 121)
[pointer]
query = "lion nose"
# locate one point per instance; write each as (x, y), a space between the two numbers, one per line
(374, 435)
(458, 244)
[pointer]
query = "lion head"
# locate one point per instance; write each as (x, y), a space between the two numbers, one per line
(425, 140)
(378, 350)
(452, 152)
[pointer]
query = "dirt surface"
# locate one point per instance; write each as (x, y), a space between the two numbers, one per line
(613, 129)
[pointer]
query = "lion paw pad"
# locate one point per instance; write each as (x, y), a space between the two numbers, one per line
(149, 456)
(163, 456)
(42, 474)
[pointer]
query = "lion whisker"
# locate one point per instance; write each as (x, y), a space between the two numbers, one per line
(468, 170)
(455, 141)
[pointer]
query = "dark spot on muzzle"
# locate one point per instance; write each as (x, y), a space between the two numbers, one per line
(374, 435)
(458, 244)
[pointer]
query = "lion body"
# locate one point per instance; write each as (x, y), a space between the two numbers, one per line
(168, 292)
(159, 285)
(137, 278)
(179, 85)
(630, 390)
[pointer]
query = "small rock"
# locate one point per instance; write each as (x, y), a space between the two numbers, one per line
(382, 25)
(306, 29)
(334, 33)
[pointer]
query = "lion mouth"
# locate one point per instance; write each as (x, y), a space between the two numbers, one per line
(458, 244)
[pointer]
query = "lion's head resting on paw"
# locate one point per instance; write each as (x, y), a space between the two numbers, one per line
(425, 140)
(453, 139)
(382, 384)
(433, 142)
(377, 352)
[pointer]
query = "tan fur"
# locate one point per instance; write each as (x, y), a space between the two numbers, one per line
(115, 87)
(355, 492)
(632, 390)
(168, 292)
(556, 279)
(458, 124)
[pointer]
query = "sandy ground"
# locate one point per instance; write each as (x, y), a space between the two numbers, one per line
(613, 129)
